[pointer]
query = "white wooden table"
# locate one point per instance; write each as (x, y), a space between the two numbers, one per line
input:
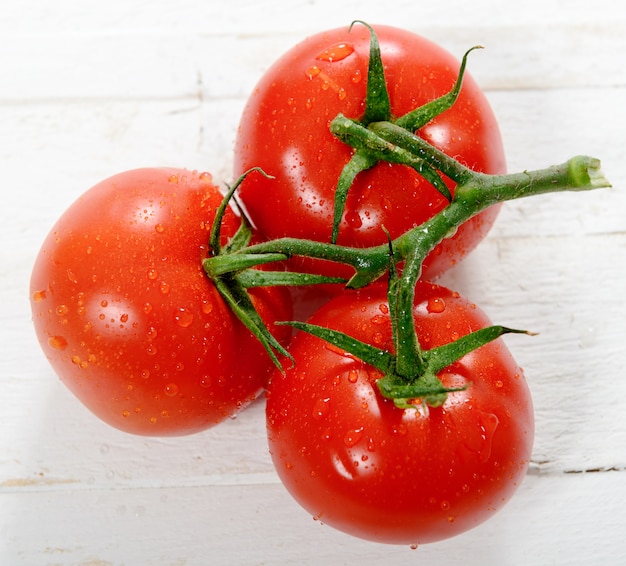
(88, 89)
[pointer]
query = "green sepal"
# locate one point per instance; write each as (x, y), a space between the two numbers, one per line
(360, 161)
(419, 117)
(377, 103)
(242, 236)
(380, 359)
(239, 239)
(443, 356)
(239, 301)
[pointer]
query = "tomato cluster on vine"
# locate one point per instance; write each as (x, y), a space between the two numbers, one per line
(368, 163)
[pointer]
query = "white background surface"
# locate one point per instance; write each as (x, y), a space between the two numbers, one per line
(88, 89)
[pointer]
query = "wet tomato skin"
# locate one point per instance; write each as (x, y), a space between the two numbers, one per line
(284, 130)
(357, 463)
(128, 319)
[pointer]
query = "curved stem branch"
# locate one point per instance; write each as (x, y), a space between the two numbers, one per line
(478, 193)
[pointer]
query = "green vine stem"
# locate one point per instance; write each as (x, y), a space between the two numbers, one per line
(478, 192)
(409, 373)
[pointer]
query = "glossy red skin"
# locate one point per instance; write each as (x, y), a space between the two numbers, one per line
(359, 464)
(126, 316)
(285, 131)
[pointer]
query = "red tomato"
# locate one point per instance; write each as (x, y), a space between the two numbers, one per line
(285, 131)
(127, 317)
(358, 463)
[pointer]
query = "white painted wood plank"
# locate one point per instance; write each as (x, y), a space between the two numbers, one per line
(574, 518)
(284, 16)
(164, 65)
(131, 50)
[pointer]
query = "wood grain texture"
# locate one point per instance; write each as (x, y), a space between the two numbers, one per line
(92, 88)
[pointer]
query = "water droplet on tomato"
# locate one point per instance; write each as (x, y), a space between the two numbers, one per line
(206, 177)
(159, 228)
(151, 350)
(152, 273)
(445, 505)
(436, 305)
(353, 376)
(336, 52)
(378, 339)
(57, 342)
(488, 425)
(399, 429)
(171, 390)
(321, 408)
(356, 77)
(62, 310)
(39, 296)
(312, 72)
(183, 317)
(173, 179)
(414, 546)
(354, 219)
(164, 287)
(352, 437)
(341, 93)
(478, 441)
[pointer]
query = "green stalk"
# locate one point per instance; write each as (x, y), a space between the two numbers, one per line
(479, 192)
(409, 373)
